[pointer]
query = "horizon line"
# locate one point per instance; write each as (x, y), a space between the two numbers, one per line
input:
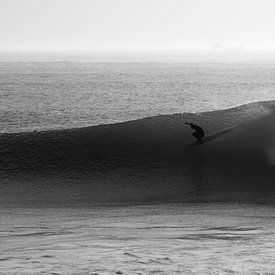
(135, 50)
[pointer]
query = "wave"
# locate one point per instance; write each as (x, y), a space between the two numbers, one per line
(145, 161)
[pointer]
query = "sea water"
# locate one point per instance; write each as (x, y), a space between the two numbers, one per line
(148, 239)
(52, 95)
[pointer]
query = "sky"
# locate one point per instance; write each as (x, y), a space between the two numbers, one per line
(136, 24)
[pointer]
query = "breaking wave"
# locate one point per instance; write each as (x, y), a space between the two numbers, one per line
(145, 161)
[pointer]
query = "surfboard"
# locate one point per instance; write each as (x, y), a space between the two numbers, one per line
(211, 137)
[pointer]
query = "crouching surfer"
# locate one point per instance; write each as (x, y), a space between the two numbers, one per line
(199, 133)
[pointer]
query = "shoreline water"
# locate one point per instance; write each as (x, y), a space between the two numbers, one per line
(163, 239)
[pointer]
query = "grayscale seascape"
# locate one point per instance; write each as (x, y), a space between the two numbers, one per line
(137, 137)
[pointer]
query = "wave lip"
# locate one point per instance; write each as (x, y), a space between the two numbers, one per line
(147, 160)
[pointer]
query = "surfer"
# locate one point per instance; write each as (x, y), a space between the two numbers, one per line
(199, 133)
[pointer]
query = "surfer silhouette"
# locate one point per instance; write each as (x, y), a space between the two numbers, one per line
(199, 133)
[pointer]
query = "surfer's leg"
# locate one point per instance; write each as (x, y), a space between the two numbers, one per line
(195, 135)
(198, 137)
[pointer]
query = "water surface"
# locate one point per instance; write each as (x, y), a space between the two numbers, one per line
(148, 239)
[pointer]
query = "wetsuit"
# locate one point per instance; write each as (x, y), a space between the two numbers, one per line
(199, 133)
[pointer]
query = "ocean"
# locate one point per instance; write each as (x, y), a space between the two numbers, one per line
(45, 95)
(100, 175)
(149, 239)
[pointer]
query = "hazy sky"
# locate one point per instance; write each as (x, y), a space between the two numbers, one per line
(136, 24)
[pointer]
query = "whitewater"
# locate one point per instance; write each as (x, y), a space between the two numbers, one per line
(150, 239)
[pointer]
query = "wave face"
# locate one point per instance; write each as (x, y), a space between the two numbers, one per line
(144, 161)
